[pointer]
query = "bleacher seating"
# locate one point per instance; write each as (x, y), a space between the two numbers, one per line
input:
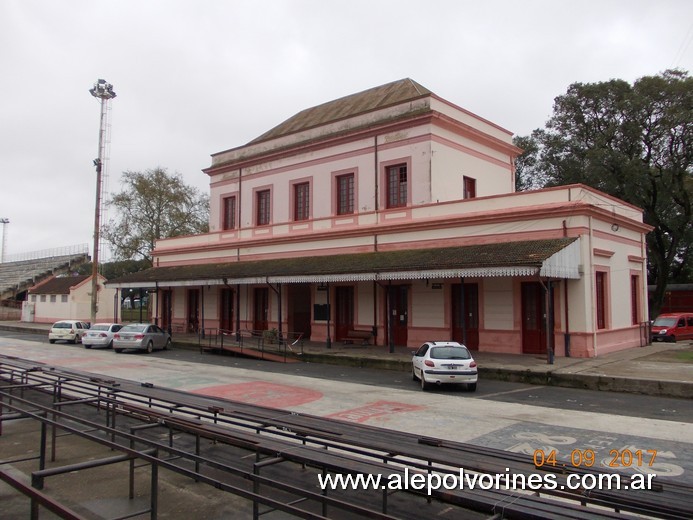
(17, 277)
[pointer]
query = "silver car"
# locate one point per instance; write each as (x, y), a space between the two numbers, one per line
(100, 335)
(141, 336)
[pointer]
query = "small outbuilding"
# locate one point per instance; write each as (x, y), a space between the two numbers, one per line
(67, 298)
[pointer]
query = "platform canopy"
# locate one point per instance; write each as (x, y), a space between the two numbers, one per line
(552, 258)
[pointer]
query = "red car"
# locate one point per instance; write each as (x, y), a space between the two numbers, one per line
(673, 327)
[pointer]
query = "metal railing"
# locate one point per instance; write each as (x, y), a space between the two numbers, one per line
(261, 343)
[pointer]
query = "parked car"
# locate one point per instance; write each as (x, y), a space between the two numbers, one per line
(673, 327)
(67, 330)
(100, 335)
(444, 362)
(141, 336)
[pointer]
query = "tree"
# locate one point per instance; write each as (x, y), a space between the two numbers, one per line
(633, 142)
(153, 205)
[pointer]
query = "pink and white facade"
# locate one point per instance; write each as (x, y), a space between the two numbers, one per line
(342, 203)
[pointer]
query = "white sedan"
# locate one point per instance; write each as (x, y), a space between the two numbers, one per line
(100, 335)
(444, 362)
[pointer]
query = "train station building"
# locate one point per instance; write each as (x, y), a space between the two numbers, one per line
(390, 217)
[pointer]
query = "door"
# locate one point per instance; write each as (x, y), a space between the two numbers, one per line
(193, 310)
(465, 318)
(226, 309)
(344, 317)
(166, 309)
(261, 307)
(299, 310)
(533, 318)
(399, 313)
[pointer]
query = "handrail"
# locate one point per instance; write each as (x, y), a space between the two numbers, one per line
(211, 338)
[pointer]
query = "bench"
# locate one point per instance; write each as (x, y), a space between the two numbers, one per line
(364, 336)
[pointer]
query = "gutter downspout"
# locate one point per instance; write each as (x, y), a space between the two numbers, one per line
(566, 334)
(592, 292)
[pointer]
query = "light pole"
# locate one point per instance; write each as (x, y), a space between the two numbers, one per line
(4, 222)
(103, 91)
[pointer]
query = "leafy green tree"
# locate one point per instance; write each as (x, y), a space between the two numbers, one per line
(153, 205)
(633, 142)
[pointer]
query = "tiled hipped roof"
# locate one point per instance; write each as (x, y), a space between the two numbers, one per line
(348, 106)
(384, 265)
(59, 285)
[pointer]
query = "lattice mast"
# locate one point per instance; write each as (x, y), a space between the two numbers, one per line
(103, 91)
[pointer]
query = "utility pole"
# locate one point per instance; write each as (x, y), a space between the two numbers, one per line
(4, 222)
(103, 91)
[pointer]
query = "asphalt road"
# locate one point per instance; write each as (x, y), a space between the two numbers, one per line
(613, 403)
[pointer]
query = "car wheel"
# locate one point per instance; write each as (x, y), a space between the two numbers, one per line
(110, 345)
(51, 341)
(86, 346)
(471, 387)
(424, 384)
(413, 375)
(150, 347)
(118, 350)
(168, 344)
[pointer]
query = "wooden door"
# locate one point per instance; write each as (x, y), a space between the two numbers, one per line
(166, 309)
(399, 314)
(299, 310)
(261, 307)
(465, 315)
(193, 310)
(344, 315)
(533, 318)
(226, 297)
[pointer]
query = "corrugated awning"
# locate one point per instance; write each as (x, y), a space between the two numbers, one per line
(553, 258)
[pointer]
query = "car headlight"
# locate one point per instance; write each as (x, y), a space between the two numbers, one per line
(663, 331)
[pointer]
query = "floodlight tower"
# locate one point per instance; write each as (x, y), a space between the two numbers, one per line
(4, 222)
(103, 91)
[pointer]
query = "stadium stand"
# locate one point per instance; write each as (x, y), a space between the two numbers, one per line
(18, 277)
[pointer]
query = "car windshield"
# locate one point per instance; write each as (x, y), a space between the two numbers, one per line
(100, 327)
(450, 353)
(62, 326)
(133, 328)
(664, 322)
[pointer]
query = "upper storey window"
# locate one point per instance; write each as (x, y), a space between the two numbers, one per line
(397, 186)
(469, 187)
(302, 201)
(229, 218)
(345, 194)
(262, 217)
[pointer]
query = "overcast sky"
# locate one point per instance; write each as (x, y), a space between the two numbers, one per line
(200, 76)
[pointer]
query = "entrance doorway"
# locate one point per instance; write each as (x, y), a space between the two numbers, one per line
(166, 309)
(226, 309)
(399, 313)
(533, 318)
(465, 318)
(299, 309)
(261, 307)
(193, 310)
(344, 316)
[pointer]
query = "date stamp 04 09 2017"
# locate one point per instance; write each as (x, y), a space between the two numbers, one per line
(587, 458)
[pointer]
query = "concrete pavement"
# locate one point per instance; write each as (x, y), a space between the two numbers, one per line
(662, 369)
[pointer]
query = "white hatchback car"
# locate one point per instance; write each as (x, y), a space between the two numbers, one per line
(444, 362)
(100, 335)
(67, 330)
